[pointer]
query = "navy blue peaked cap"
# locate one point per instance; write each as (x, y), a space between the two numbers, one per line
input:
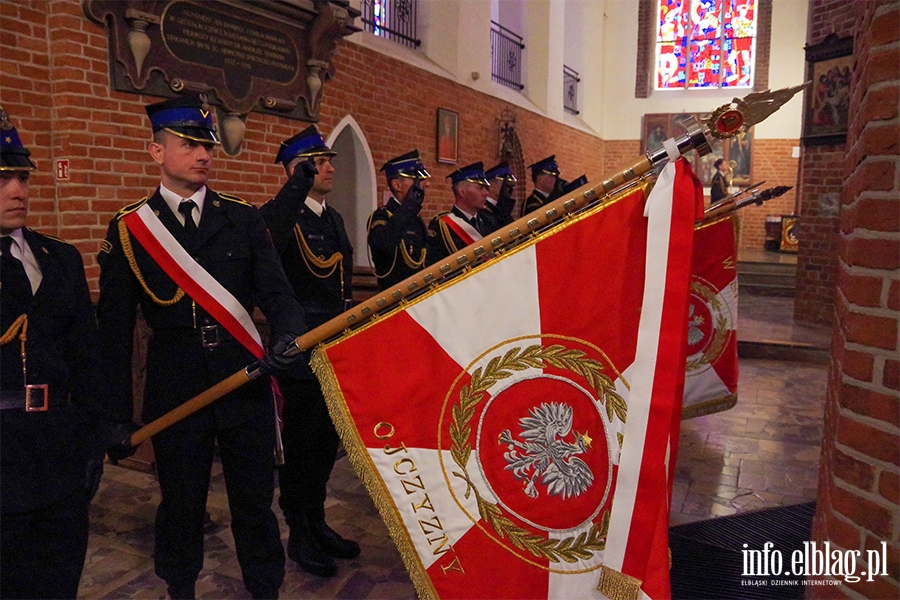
(406, 165)
(13, 155)
(305, 144)
(501, 171)
(473, 173)
(186, 116)
(545, 165)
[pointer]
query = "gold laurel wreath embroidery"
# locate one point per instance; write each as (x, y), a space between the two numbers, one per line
(470, 395)
(720, 334)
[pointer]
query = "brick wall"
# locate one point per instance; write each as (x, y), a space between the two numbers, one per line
(821, 179)
(858, 504)
(773, 163)
(54, 81)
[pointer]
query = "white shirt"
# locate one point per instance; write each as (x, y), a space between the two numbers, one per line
(173, 200)
(21, 250)
(316, 207)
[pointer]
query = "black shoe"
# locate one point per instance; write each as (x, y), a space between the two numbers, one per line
(265, 595)
(182, 592)
(332, 543)
(303, 550)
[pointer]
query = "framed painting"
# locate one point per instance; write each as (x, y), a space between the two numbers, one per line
(829, 66)
(736, 151)
(447, 135)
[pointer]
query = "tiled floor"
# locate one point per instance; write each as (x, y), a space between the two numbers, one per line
(763, 452)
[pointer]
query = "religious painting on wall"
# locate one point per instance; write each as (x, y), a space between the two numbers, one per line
(736, 151)
(447, 143)
(829, 66)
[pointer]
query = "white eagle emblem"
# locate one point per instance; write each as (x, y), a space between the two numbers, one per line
(545, 454)
(695, 334)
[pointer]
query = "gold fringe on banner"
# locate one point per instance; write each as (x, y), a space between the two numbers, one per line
(618, 586)
(368, 473)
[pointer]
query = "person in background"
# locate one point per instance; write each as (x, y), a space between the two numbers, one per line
(718, 188)
(465, 223)
(397, 233)
(318, 259)
(53, 432)
(545, 175)
(500, 203)
(221, 243)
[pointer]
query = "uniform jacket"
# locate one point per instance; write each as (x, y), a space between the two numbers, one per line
(305, 240)
(534, 201)
(232, 244)
(443, 241)
(718, 187)
(43, 454)
(397, 238)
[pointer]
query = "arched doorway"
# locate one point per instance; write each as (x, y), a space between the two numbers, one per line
(354, 191)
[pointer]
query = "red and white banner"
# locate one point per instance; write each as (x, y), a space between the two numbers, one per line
(513, 425)
(712, 362)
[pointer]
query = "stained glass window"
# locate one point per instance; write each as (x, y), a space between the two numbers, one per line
(702, 44)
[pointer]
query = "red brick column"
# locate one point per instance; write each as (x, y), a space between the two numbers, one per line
(859, 488)
(820, 180)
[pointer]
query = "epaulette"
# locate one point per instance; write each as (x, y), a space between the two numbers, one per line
(231, 198)
(52, 237)
(131, 207)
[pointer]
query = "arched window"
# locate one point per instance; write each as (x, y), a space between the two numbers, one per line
(703, 44)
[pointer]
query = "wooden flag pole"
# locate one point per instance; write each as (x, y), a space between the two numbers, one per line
(725, 122)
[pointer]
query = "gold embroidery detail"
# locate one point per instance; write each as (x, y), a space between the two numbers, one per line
(125, 239)
(618, 586)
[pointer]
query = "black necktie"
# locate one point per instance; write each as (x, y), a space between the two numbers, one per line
(186, 208)
(14, 278)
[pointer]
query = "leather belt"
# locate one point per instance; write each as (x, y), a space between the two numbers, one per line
(211, 336)
(34, 398)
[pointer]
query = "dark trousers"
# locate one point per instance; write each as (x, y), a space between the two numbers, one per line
(42, 551)
(310, 448)
(183, 463)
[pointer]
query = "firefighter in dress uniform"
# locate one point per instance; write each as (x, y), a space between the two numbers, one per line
(190, 350)
(397, 233)
(500, 202)
(318, 259)
(465, 223)
(545, 176)
(52, 443)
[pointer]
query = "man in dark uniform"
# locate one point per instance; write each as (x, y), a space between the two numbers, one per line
(224, 238)
(545, 175)
(500, 202)
(318, 260)
(397, 233)
(718, 188)
(50, 449)
(467, 222)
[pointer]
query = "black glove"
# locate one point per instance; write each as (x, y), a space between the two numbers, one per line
(558, 189)
(281, 357)
(118, 445)
(415, 196)
(306, 169)
(505, 200)
(93, 471)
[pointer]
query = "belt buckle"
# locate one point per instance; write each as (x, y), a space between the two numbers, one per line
(209, 336)
(36, 397)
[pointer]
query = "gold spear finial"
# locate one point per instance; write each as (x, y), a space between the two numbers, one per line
(743, 113)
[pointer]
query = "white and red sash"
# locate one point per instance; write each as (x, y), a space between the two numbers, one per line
(464, 230)
(197, 283)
